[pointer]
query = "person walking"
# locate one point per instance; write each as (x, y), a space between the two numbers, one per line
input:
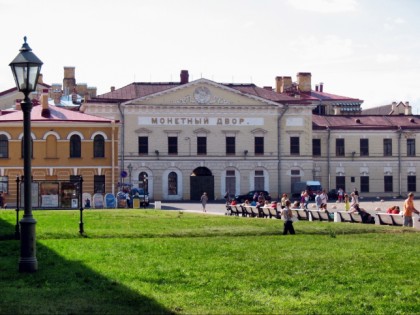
(287, 216)
(204, 200)
(408, 210)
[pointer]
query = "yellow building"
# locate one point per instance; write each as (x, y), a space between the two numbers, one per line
(66, 144)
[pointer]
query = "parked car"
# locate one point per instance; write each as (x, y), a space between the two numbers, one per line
(250, 195)
(332, 194)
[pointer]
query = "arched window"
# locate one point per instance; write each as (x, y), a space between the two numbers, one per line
(75, 146)
(4, 146)
(51, 149)
(172, 183)
(99, 146)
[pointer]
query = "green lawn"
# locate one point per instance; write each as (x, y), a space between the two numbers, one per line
(150, 261)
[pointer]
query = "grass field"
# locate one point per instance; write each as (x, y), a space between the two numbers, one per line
(163, 262)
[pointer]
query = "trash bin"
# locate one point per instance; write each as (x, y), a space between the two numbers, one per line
(158, 205)
(136, 203)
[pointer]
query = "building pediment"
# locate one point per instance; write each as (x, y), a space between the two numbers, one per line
(201, 92)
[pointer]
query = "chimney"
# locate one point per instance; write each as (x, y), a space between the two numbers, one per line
(408, 109)
(44, 103)
(321, 87)
(316, 88)
(112, 88)
(394, 106)
(279, 83)
(184, 76)
(69, 81)
(286, 85)
(304, 81)
(40, 79)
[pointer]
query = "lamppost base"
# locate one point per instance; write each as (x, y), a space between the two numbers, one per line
(28, 264)
(27, 260)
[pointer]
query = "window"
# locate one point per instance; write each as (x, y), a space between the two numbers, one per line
(172, 183)
(230, 145)
(364, 183)
(231, 182)
(259, 180)
(23, 149)
(388, 184)
(201, 145)
(294, 145)
(4, 184)
(75, 146)
(173, 145)
(339, 147)
(143, 145)
(411, 147)
(4, 146)
(259, 145)
(340, 182)
(364, 147)
(99, 184)
(75, 178)
(316, 147)
(411, 183)
(99, 146)
(51, 149)
(295, 177)
(387, 147)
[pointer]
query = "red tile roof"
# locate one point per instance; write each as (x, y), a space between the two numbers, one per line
(362, 122)
(57, 114)
(141, 89)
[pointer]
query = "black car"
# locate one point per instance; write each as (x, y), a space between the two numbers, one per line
(333, 194)
(250, 196)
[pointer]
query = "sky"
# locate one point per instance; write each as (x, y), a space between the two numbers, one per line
(366, 49)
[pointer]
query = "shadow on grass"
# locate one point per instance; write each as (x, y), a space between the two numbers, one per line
(61, 286)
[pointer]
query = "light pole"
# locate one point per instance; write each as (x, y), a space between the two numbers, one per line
(26, 68)
(145, 188)
(130, 169)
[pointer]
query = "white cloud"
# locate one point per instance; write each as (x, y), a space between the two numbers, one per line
(387, 58)
(328, 48)
(324, 6)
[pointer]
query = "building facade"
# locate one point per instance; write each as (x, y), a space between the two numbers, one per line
(66, 144)
(179, 139)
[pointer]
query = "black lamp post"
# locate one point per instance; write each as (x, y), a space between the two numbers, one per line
(145, 189)
(26, 67)
(130, 169)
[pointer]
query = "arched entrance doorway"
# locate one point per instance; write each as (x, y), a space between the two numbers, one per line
(201, 180)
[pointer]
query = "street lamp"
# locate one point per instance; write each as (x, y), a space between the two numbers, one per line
(130, 169)
(26, 68)
(145, 189)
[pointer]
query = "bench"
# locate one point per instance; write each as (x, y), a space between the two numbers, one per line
(313, 215)
(301, 214)
(274, 213)
(321, 215)
(390, 219)
(266, 212)
(250, 211)
(342, 216)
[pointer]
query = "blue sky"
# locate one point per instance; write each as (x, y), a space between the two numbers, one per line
(367, 49)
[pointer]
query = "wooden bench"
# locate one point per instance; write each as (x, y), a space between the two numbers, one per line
(390, 219)
(342, 216)
(250, 211)
(301, 214)
(266, 212)
(314, 215)
(356, 218)
(274, 213)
